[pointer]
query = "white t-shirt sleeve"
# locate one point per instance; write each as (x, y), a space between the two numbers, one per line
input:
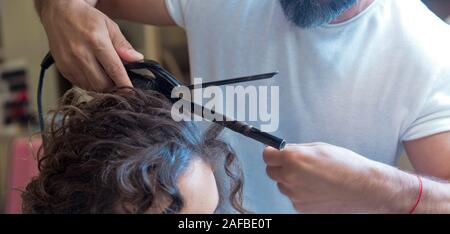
(434, 116)
(177, 9)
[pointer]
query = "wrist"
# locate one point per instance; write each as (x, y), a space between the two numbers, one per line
(395, 191)
(45, 8)
(41, 6)
(435, 197)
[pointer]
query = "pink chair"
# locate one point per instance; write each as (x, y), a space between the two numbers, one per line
(22, 167)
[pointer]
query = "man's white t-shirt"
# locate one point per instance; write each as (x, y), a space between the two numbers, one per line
(367, 84)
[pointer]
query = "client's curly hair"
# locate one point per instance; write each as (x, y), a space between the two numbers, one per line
(121, 148)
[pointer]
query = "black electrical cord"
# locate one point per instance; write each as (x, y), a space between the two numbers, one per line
(47, 62)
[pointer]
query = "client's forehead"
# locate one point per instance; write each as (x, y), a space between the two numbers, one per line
(198, 188)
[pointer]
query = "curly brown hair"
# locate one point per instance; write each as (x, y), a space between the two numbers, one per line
(122, 147)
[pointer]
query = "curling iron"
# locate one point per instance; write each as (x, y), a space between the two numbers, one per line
(164, 82)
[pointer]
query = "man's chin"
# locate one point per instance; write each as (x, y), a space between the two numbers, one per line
(314, 13)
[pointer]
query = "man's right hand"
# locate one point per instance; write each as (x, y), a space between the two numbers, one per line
(87, 45)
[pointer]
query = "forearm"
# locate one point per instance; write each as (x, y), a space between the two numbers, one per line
(41, 5)
(144, 11)
(398, 192)
(44, 7)
(38, 5)
(110, 7)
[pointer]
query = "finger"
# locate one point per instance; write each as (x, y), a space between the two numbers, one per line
(95, 75)
(75, 82)
(65, 68)
(313, 144)
(272, 156)
(298, 207)
(82, 77)
(298, 152)
(275, 173)
(285, 190)
(73, 77)
(123, 48)
(112, 65)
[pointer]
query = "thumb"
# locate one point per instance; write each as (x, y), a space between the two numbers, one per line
(123, 48)
(272, 157)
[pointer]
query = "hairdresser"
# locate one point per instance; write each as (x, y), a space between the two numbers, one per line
(371, 78)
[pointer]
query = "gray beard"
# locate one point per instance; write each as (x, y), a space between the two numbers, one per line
(314, 13)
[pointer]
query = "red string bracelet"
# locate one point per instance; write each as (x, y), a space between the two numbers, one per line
(413, 209)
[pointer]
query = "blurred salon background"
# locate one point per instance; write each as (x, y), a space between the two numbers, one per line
(23, 44)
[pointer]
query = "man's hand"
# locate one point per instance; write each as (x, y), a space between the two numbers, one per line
(87, 46)
(321, 178)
